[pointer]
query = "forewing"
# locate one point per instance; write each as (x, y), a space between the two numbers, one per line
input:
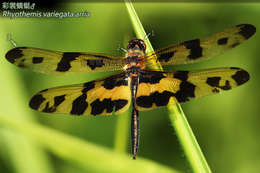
(51, 62)
(200, 49)
(156, 88)
(100, 97)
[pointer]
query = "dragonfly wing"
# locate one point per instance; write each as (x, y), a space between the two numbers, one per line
(156, 88)
(100, 97)
(54, 62)
(200, 49)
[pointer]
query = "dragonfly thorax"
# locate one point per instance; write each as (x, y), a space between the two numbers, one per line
(135, 54)
(133, 71)
(134, 58)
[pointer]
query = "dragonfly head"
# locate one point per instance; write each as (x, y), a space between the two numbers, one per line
(136, 44)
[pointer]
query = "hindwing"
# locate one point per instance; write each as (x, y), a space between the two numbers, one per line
(156, 88)
(100, 97)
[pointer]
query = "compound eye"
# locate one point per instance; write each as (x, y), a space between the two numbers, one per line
(142, 45)
(137, 43)
(131, 45)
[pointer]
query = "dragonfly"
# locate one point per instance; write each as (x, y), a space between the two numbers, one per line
(135, 86)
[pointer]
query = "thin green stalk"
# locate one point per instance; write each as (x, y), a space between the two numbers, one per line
(178, 120)
(122, 125)
(88, 156)
(121, 135)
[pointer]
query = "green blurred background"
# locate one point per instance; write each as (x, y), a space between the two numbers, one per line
(225, 125)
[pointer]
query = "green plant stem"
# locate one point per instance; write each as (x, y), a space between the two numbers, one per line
(88, 156)
(121, 135)
(178, 120)
(188, 140)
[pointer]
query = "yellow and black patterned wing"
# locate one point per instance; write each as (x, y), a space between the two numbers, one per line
(51, 62)
(200, 49)
(100, 97)
(156, 88)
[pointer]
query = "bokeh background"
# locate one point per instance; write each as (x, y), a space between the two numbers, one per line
(226, 125)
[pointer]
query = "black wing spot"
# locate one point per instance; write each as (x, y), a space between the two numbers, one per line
(64, 64)
(151, 78)
(182, 75)
(166, 56)
(226, 86)
(195, 48)
(100, 106)
(159, 99)
(186, 91)
(119, 104)
(49, 109)
(37, 60)
(36, 101)
(58, 100)
(92, 63)
(112, 82)
(79, 105)
(215, 90)
(162, 99)
(241, 77)
(213, 81)
(145, 101)
(156, 78)
(88, 86)
(14, 54)
(223, 41)
(109, 83)
(246, 30)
